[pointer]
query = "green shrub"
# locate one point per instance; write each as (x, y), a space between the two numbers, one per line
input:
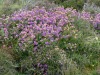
(96, 2)
(77, 4)
(83, 50)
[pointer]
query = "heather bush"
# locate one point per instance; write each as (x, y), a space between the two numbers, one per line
(29, 31)
(53, 41)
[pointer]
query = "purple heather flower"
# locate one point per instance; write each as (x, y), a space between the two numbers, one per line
(51, 39)
(85, 15)
(47, 43)
(44, 34)
(31, 23)
(6, 32)
(35, 43)
(20, 44)
(45, 65)
(38, 64)
(35, 48)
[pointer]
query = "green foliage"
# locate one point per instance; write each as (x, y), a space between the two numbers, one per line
(84, 50)
(77, 4)
(6, 63)
(96, 2)
(27, 61)
(10, 6)
(7, 7)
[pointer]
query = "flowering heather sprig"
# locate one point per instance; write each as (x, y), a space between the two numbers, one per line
(88, 17)
(4, 28)
(96, 21)
(97, 18)
(6, 33)
(43, 68)
(85, 15)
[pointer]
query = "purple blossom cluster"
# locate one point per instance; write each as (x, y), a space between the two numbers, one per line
(3, 28)
(96, 21)
(86, 16)
(43, 68)
(49, 24)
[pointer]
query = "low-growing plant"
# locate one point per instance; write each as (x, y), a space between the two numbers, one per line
(6, 62)
(51, 41)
